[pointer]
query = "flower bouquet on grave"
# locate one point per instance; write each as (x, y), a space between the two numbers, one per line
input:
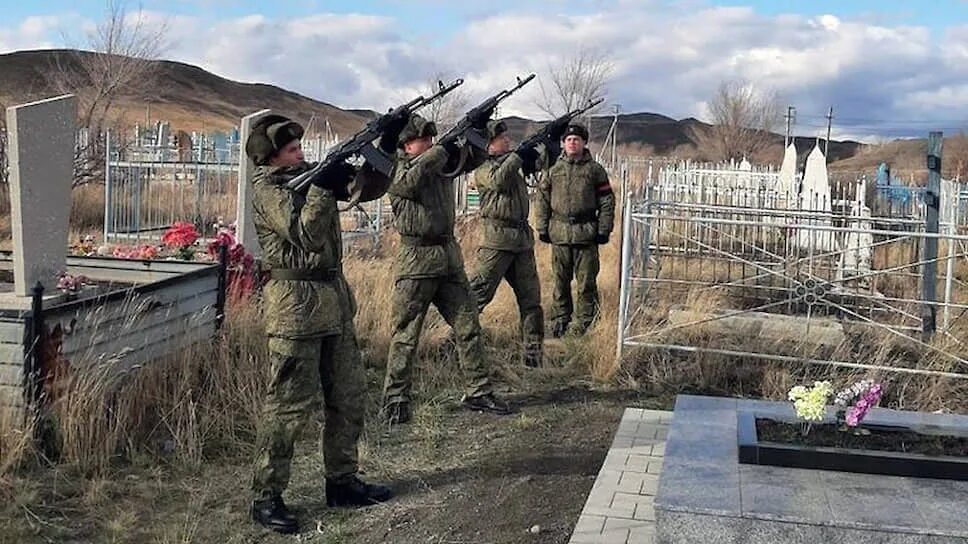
(71, 284)
(854, 402)
(810, 403)
(240, 265)
(180, 238)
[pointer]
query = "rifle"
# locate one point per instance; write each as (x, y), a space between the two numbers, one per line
(544, 134)
(480, 113)
(361, 143)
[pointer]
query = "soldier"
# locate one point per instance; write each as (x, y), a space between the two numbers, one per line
(507, 244)
(309, 311)
(576, 212)
(430, 269)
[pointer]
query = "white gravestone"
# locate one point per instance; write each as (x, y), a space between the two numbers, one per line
(245, 227)
(815, 197)
(41, 168)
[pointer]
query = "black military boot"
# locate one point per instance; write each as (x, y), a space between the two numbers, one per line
(396, 413)
(486, 403)
(532, 357)
(272, 513)
(355, 492)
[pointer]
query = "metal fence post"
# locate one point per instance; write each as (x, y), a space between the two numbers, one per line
(625, 267)
(223, 264)
(929, 271)
(107, 186)
(33, 362)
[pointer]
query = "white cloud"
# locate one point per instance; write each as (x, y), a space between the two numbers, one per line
(669, 58)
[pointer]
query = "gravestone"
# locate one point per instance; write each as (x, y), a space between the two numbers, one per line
(41, 168)
(245, 228)
(815, 197)
(788, 175)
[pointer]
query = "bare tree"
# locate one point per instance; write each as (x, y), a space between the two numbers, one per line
(743, 118)
(450, 108)
(119, 63)
(571, 84)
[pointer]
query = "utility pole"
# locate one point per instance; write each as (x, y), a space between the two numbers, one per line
(830, 118)
(790, 114)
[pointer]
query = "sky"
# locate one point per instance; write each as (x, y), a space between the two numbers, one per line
(889, 68)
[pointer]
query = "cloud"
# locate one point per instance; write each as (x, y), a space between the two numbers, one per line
(668, 58)
(32, 33)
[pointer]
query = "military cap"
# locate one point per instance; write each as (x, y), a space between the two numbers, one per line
(576, 130)
(417, 127)
(495, 129)
(270, 134)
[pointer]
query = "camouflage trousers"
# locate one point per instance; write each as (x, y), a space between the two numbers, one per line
(580, 263)
(301, 370)
(521, 272)
(411, 299)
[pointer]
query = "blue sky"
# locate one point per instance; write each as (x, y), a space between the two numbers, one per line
(888, 67)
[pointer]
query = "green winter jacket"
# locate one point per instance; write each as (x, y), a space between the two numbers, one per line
(300, 235)
(424, 210)
(505, 203)
(575, 201)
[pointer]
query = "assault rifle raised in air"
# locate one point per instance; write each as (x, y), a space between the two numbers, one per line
(478, 116)
(361, 143)
(559, 124)
(465, 129)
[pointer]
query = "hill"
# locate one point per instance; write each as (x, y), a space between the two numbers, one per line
(187, 96)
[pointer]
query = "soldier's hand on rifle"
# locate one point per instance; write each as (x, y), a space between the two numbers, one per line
(529, 158)
(558, 128)
(336, 178)
(394, 123)
(480, 122)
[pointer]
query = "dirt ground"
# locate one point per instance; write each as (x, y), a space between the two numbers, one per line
(460, 477)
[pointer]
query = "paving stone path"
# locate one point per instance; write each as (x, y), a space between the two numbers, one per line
(619, 507)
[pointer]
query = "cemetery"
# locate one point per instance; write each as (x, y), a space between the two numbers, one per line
(60, 314)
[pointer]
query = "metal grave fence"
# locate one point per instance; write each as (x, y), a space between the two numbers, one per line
(149, 187)
(715, 265)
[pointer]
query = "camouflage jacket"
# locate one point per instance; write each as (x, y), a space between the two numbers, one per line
(505, 203)
(575, 201)
(301, 233)
(424, 209)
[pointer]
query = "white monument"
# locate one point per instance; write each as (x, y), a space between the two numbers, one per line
(788, 176)
(41, 139)
(245, 228)
(815, 198)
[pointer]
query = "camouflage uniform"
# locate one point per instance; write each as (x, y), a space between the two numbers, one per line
(507, 246)
(309, 311)
(576, 211)
(429, 269)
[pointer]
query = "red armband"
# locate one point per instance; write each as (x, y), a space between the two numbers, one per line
(603, 188)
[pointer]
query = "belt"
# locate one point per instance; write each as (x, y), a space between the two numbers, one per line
(416, 241)
(522, 224)
(585, 217)
(304, 274)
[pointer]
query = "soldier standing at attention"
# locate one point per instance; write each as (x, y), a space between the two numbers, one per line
(309, 312)
(429, 269)
(575, 212)
(507, 241)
